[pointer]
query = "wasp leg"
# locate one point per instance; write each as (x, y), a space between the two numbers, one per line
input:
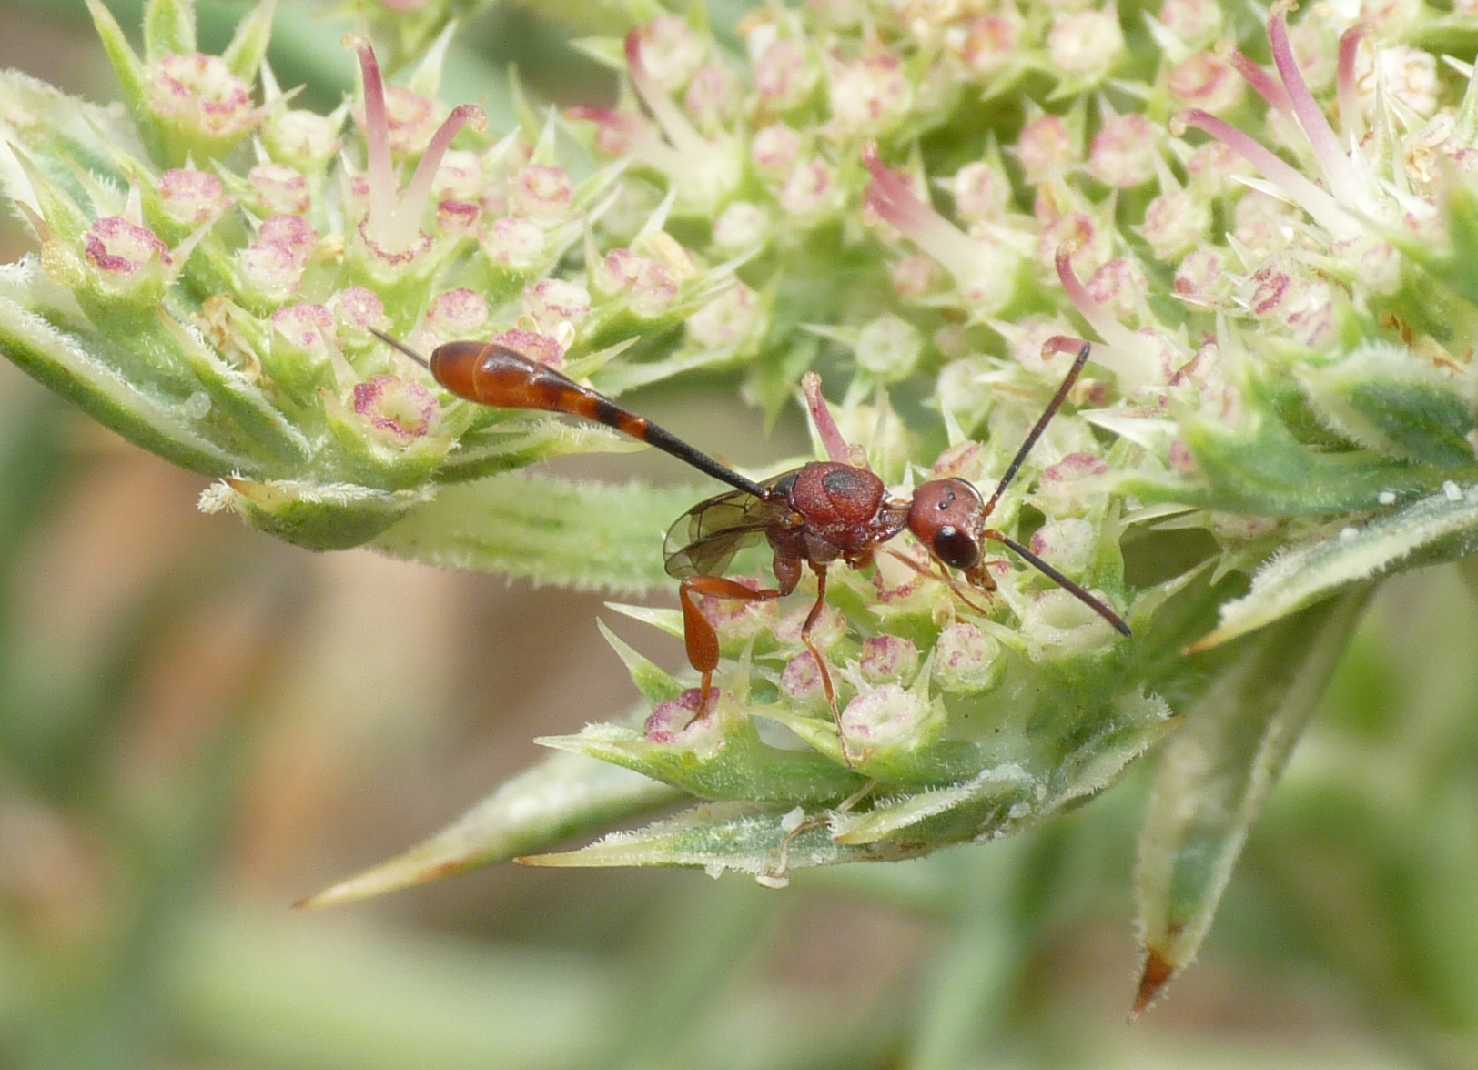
(699, 637)
(948, 580)
(826, 684)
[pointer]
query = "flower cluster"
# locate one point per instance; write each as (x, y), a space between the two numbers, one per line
(1266, 233)
(229, 254)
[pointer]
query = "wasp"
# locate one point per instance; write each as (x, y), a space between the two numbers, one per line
(820, 515)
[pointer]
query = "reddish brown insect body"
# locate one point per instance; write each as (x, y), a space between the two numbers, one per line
(819, 514)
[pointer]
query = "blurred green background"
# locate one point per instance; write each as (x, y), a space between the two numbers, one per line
(198, 726)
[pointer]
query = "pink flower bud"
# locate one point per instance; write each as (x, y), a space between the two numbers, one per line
(1181, 459)
(542, 192)
(1193, 22)
(1124, 151)
(784, 75)
(292, 232)
(1045, 149)
(670, 51)
(886, 716)
(278, 190)
(304, 139)
(192, 198)
(887, 658)
(1263, 223)
(1205, 80)
(514, 243)
(1238, 527)
(966, 659)
(981, 193)
(459, 313)
(398, 411)
(309, 328)
(963, 388)
(1202, 277)
(991, 42)
(1406, 73)
(811, 192)
(678, 721)
(1301, 302)
(554, 303)
(1176, 222)
(742, 226)
(734, 620)
(1213, 168)
(966, 460)
(125, 256)
(1121, 287)
(712, 99)
(915, 276)
(889, 347)
(1064, 489)
(356, 310)
(271, 269)
(775, 149)
(1315, 44)
(1025, 341)
(1086, 44)
(534, 346)
(411, 120)
(728, 320)
(801, 680)
(647, 284)
(458, 218)
(1069, 544)
(459, 177)
(199, 94)
(869, 95)
(1057, 625)
(830, 627)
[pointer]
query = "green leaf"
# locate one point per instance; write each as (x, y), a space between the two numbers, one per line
(762, 841)
(1215, 774)
(61, 360)
(317, 516)
(561, 796)
(249, 44)
(1385, 399)
(516, 443)
(654, 683)
(1265, 471)
(738, 765)
(132, 83)
(1444, 526)
(169, 29)
(587, 536)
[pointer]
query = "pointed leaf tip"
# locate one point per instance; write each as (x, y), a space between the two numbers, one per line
(1157, 973)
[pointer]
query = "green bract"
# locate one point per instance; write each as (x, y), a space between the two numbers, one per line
(1280, 409)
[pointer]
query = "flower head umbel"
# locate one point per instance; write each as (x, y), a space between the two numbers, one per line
(1255, 258)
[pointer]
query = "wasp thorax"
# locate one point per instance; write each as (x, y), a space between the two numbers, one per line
(946, 517)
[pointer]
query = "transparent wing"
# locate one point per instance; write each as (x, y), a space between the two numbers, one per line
(705, 539)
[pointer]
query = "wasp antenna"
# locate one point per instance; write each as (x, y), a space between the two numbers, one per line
(396, 343)
(1066, 584)
(1056, 344)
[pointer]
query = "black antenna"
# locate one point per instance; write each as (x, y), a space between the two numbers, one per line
(396, 343)
(1062, 581)
(1041, 425)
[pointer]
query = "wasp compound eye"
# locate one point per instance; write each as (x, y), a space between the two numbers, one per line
(955, 548)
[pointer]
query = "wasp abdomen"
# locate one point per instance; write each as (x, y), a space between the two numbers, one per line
(497, 376)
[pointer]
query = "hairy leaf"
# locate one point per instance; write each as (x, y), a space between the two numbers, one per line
(588, 536)
(563, 795)
(1445, 525)
(1215, 774)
